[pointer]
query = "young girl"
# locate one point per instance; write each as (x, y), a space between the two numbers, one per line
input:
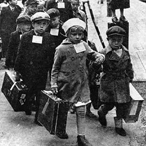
(69, 77)
(114, 85)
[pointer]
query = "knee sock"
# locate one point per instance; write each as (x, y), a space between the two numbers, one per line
(80, 120)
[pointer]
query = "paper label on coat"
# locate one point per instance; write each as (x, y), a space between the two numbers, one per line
(20, 36)
(54, 31)
(37, 39)
(79, 47)
(60, 5)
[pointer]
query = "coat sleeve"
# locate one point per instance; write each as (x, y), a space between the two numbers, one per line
(58, 59)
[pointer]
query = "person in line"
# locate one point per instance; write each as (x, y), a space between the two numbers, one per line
(69, 77)
(33, 58)
(24, 25)
(8, 18)
(114, 83)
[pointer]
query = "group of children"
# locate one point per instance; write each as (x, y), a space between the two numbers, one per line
(43, 49)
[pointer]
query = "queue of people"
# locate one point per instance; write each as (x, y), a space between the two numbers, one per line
(48, 44)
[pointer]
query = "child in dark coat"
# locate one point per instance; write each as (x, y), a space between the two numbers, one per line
(24, 25)
(69, 76)
(32, 61)
(114, 84)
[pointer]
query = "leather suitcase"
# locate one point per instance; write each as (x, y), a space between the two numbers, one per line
(15, 92)
(52, 112)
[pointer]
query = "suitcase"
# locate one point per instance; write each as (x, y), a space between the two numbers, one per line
(133, 111)
(15, 92)
(52, 113)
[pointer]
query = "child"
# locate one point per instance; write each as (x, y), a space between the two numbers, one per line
(69, 77)
(117, 73)
(32, 61)
(8, 18)
(24, 25)
(55, 29)
(118, 4)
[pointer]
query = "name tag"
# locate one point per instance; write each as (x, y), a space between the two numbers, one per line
(20, 36)
(37, 39)
(60, 5)
(54, 31)
(79, 47)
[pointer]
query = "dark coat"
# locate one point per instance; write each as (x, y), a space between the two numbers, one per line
(32, 61)
(65, 13)
(56, 40)
(12, 48)
(117, 73)
(70, 72)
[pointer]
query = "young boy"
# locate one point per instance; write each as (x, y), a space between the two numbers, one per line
(24, 25)
(69, 79)
(32, 61)
(8, 18)
(117, 73)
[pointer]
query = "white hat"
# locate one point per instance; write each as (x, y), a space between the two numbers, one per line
(73, 22)
(40, 16)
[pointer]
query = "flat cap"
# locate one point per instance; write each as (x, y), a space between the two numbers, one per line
(22, 19)
(73, 22)
(31, 2)
(40, 16)
(115, 30)
(53, 12)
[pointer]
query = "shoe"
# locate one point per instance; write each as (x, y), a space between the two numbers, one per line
(91, 115)
(37, 122)
(28, 112)
(82, 141)
(62, 135)
(122, 18)
(102, 119)
(114, 19)
(120, 131)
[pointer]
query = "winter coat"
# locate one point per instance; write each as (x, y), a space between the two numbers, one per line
(117, 73)
(12, 48)
(32, 60)
(70, 72)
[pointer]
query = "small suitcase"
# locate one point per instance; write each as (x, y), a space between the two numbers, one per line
(52, 112)
(15, 92)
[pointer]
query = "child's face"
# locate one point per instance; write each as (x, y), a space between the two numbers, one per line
(13, 2)
(40, 26)
(74, 5)
(115, 41)
(26, 27)
(32, 8)
(75, 37)
(54, 22)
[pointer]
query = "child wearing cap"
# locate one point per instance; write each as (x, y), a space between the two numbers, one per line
(32, 61)
(24, 25)
(114, 84)
(69, 79)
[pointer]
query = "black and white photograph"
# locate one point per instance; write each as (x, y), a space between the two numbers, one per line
(72, 72)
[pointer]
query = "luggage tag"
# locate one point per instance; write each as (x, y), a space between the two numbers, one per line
(37, 39)
(61, 5)
(79, 47)
(54, 31)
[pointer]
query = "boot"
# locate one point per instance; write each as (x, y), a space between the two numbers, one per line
(82, 141)
(119, 127)
(102, 119)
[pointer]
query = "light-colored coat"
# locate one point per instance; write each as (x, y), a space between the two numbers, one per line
(70, 73)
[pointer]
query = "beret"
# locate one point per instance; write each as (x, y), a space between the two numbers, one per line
(115, 30)
(40, 16)
(31, 2)
(73, 22)
(23, 18)
(53, 12)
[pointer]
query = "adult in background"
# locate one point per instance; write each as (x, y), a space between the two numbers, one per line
(8, 18)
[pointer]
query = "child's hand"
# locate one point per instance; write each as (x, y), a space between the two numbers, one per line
(17, 76)
(100, 59)
(54, 89)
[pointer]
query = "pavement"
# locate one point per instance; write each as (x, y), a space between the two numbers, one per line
(18, 129)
